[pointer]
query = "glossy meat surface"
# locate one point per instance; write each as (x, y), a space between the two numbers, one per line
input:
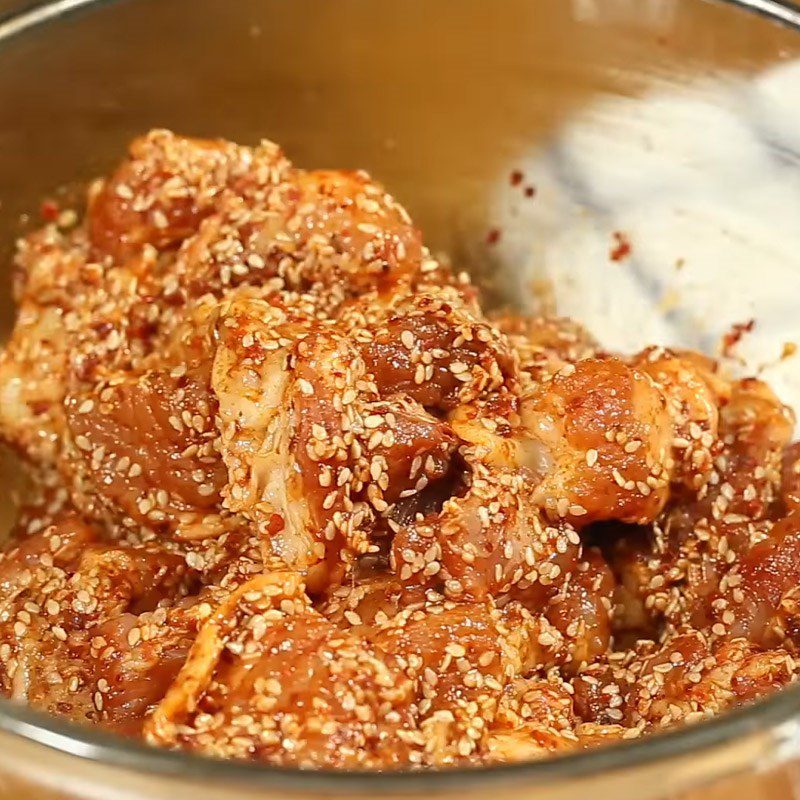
(298, 498)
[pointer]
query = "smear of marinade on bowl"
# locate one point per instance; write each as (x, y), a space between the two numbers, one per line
(300, 499)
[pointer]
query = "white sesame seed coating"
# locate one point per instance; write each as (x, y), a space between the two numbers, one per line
(300, 499)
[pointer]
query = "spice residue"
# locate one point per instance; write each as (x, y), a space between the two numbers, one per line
(49, 210)
(734, 336)
(621, 248)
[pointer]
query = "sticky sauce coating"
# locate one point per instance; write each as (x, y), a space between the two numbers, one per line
(299, 499)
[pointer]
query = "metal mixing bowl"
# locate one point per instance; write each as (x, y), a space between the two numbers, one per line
(442, 100)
